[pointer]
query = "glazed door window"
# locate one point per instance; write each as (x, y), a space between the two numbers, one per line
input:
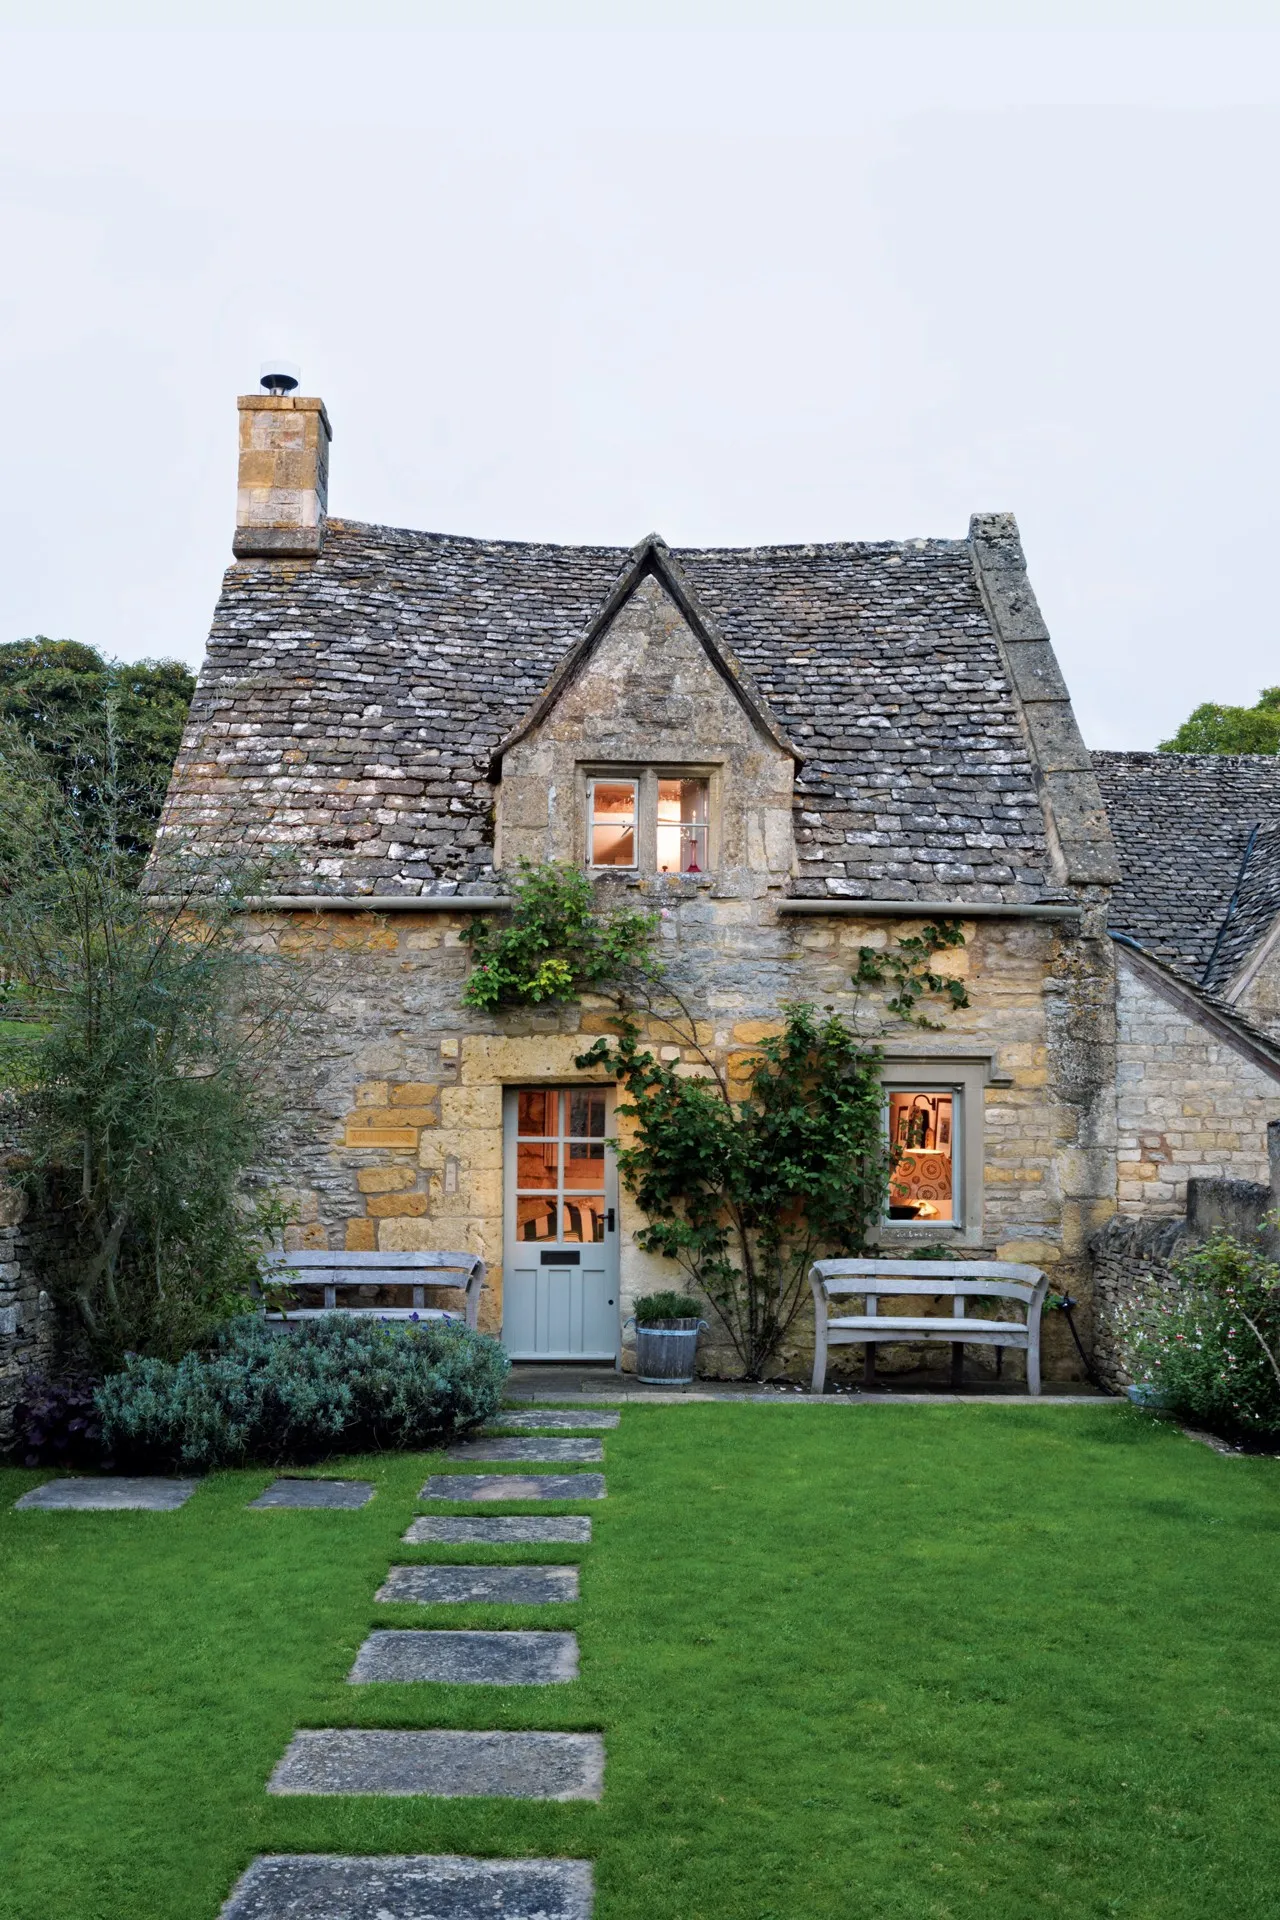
(924, 1154)
(560, 1165)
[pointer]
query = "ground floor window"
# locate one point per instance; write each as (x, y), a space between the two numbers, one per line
(923, 1137)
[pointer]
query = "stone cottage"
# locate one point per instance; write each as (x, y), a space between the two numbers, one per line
(794, 751)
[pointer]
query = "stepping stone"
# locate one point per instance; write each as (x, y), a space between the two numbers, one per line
(415, 1886)
(514, 1486)
(500, 1586)
(111, 1494)
(555, 1420)
(549, 1452)
(467, 1659)
(315, 1493)
(501, 1530)
(448, 1766)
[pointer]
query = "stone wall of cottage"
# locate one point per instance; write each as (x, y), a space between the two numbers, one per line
(1189, 1104)
(396, 1096)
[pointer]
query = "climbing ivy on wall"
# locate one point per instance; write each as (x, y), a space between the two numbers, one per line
(558, 943)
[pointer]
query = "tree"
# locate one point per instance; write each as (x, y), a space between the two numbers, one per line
(139, 1072)
(102, 728)
(1216, 729)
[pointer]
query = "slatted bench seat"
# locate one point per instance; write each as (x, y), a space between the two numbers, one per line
(416, 1271)
(957, 1280)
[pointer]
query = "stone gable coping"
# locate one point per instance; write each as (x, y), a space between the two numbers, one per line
(1078, 834)
(651, 557)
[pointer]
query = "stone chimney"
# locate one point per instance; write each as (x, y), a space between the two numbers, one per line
(282, 496)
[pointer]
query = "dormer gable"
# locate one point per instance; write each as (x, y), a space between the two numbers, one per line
(650, 705)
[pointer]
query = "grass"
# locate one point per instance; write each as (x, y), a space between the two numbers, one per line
(885, 1661)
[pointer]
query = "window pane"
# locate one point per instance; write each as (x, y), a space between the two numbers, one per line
(682, 826)
(613, 823)
(535, 1219)
(536, 1163)
(922, 1129)
(586, 1114)
(584, 1165)
(583, 1220)
(537, 1112)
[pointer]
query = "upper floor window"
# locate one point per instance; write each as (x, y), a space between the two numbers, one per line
(650, 821)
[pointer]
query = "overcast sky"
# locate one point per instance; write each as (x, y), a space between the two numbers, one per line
(736, 283)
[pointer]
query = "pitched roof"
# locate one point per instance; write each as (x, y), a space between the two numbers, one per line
(1182, 824)
(653, 558)
(355, 702)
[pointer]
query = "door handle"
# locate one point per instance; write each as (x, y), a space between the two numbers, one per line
(610, 1224)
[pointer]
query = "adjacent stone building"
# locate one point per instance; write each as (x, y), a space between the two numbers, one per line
(794, 752)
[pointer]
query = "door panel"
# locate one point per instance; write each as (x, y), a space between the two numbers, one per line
(560, 1259)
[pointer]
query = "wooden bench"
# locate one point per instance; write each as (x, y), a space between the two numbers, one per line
(958, 1280)
(417, 1271)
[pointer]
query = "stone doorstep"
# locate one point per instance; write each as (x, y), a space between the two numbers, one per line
(446, 1765)
(296, 1492)
(548, 1452)
(466, 1659)
(111, 1493)
(514, 1486)
(450, 1585)
(554, 1420)
(500, 1530)
(314, 1886)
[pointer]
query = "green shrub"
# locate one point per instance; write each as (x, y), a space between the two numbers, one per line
(556, 943)
(1207, 1350)
(330, 1385)
(652, 1309)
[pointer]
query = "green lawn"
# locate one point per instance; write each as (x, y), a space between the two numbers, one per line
(874, 1661)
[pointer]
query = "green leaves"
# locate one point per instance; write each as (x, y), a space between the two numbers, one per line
(1217, 729)
(746, 1195)
(906, 969)
(556, 944)
(139, 1071)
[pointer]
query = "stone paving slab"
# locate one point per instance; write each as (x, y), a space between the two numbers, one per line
(554, 1420)
(547, 1452)
(514, 1486)
(112, 1493)
(315, 1493)
(423, 1886)
(447, 1765)
(467, 1659)
(498, 1586)
(501, 1530)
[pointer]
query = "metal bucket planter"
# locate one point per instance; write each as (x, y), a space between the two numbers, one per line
(666, 1354)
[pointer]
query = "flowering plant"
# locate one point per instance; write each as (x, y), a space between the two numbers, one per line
(1212, 1348)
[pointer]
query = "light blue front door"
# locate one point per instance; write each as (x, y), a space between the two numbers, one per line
(560, 1251)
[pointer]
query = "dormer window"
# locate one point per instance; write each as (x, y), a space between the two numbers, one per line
(651, 821)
